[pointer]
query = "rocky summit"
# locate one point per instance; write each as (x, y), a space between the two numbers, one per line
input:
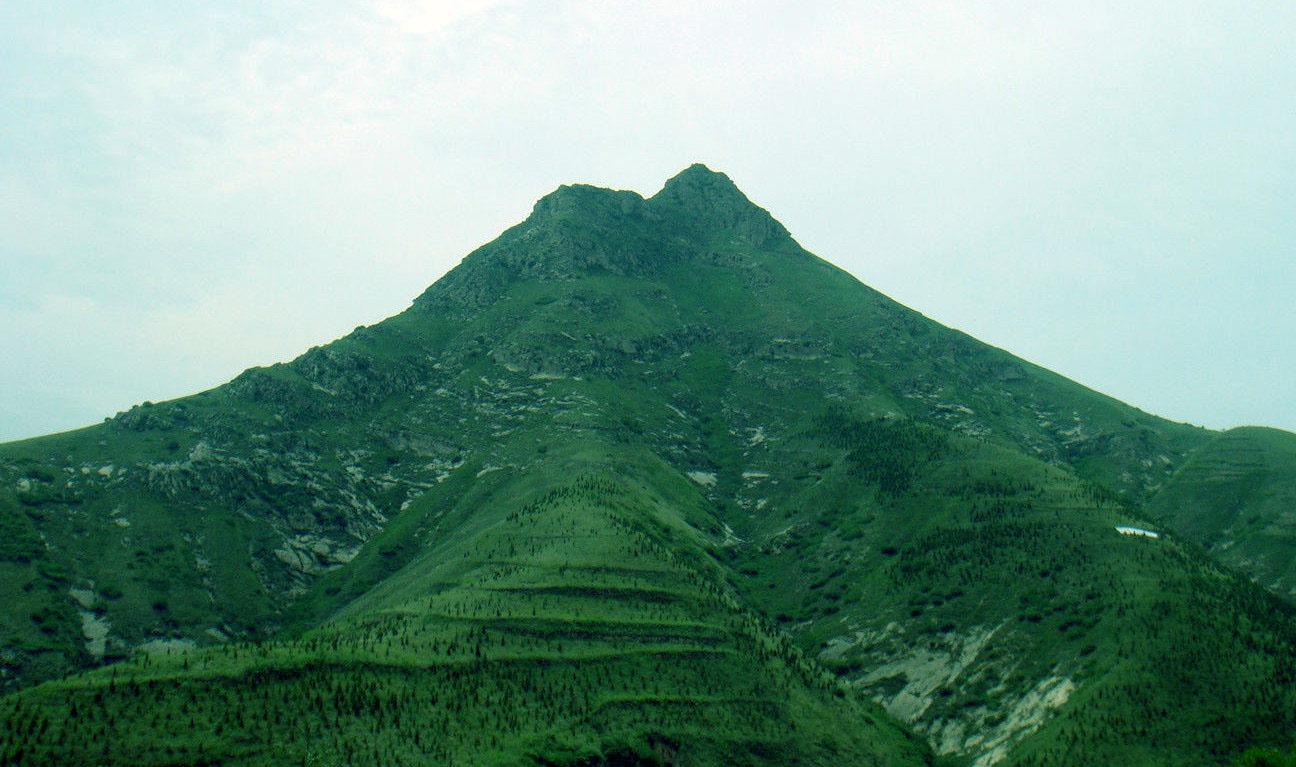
(644, 482)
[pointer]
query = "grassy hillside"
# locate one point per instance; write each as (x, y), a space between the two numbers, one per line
(1236, 496)
(569, 617)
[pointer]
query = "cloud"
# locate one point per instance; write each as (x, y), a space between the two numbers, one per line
(430, 19)
(239, 104)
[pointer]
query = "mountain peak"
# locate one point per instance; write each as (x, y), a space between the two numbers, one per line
(571, 200)
(698, 184)
(712, 201)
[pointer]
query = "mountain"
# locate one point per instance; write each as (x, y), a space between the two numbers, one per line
(640, 482)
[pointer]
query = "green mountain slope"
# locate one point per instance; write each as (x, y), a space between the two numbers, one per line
(628, 430)
(563, 620)
(1236, 496)
(982, 595)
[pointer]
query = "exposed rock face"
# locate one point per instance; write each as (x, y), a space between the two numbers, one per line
(314, 554)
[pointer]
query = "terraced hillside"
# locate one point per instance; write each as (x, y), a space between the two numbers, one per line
(640, 472)
(565, 623)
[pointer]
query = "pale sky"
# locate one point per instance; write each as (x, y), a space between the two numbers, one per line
(188, 189)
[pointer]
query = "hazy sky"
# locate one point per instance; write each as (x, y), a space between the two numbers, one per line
(190, 189)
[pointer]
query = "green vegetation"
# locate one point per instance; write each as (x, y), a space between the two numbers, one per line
(1236, 496)
(571, 622)
(1267, 757)
(640, 482)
